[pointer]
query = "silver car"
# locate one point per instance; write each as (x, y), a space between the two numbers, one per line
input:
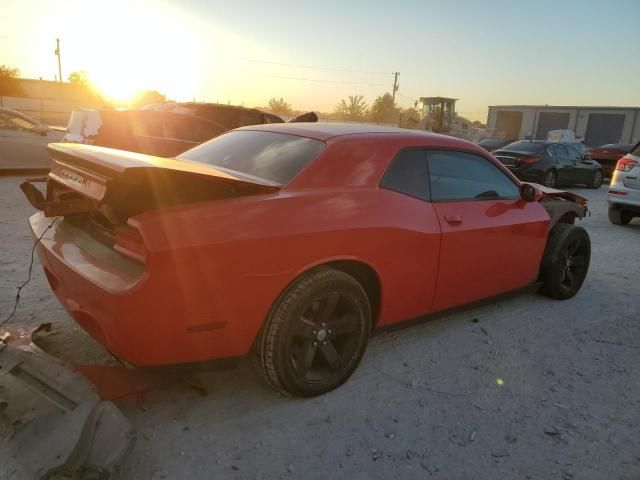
(23, 142)
(624, 190)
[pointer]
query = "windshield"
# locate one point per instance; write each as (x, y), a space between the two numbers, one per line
(526, 147)
(273, 156)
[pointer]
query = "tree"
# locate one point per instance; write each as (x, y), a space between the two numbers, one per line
(9, 82)
(79, 78)
(409, 118)
(353, 109)
(147, 97)
(279, 106)
(384, 109)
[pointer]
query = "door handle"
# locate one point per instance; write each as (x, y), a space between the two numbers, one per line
(453, 219)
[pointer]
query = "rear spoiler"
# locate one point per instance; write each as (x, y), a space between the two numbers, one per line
(99, 174)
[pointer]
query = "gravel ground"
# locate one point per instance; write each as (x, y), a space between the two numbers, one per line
(526, 388)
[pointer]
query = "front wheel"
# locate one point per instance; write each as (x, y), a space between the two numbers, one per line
(550, 179)
(315, 335)
(566, 261)
(619, 217)
(596, 179)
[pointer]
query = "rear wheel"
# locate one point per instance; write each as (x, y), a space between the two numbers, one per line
(566, 261)
(619, 217)
(596, 179)
(550, 178)
(315, 335)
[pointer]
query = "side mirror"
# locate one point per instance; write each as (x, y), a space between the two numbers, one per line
(529, 193)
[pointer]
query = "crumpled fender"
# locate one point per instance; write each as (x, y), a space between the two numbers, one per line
(561, 205)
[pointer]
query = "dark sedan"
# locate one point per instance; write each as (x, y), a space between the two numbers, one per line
(550, 163)
(609, 154)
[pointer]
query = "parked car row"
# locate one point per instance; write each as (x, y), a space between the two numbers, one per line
(165, 129)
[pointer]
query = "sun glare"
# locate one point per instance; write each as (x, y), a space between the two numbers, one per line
(135, 47)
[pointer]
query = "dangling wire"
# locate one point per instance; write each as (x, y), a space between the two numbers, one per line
(35, 244)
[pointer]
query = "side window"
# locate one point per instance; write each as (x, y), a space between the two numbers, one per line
(408, 174)
(557, 150)
(466, 176)
(574, 152)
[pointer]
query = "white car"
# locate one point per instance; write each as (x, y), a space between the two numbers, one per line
(624, 190)
(23, 142)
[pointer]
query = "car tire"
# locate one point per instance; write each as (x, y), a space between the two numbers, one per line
(596, 179)
(566, 261)
(550, 178)
(619, 217)
(315, 335)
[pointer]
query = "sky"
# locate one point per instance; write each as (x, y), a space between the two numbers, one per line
(315, 53)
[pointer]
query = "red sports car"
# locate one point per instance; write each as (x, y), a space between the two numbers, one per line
(293, 242)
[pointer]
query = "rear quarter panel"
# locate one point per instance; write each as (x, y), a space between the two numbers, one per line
(231, 260)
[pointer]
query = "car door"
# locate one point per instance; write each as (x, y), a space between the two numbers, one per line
(23, 143)
(411, 267)
(584, 167)
(565, 165)
(492, 240)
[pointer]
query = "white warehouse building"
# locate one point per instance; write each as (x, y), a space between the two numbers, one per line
(596, 125)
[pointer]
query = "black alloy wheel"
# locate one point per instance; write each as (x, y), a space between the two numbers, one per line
(550, 178)
(566, 261)
(315, 335)
(596, 179)
(325, 337)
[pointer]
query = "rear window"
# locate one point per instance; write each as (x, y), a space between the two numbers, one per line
(491, 142)
(273, 156)
(525, 147)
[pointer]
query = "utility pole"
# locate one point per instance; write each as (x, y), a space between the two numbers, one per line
(57, 52)
(395, 85)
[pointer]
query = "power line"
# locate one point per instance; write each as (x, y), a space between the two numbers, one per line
(313, 67)
(317, 80)
(407, 98)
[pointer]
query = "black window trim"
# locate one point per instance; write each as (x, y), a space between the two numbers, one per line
(428, 179)
(472, 152)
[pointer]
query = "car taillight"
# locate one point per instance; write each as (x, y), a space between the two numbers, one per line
(617, 192)
(129, 242)
(626, 164)
(529, 160)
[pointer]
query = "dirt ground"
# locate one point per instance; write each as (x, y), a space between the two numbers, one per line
(525, 388)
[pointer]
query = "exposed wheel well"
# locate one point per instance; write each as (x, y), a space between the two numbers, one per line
(367, 277)
(569, 217)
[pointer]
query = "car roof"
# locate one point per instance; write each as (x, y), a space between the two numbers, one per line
(543, 142)
(326, 131)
